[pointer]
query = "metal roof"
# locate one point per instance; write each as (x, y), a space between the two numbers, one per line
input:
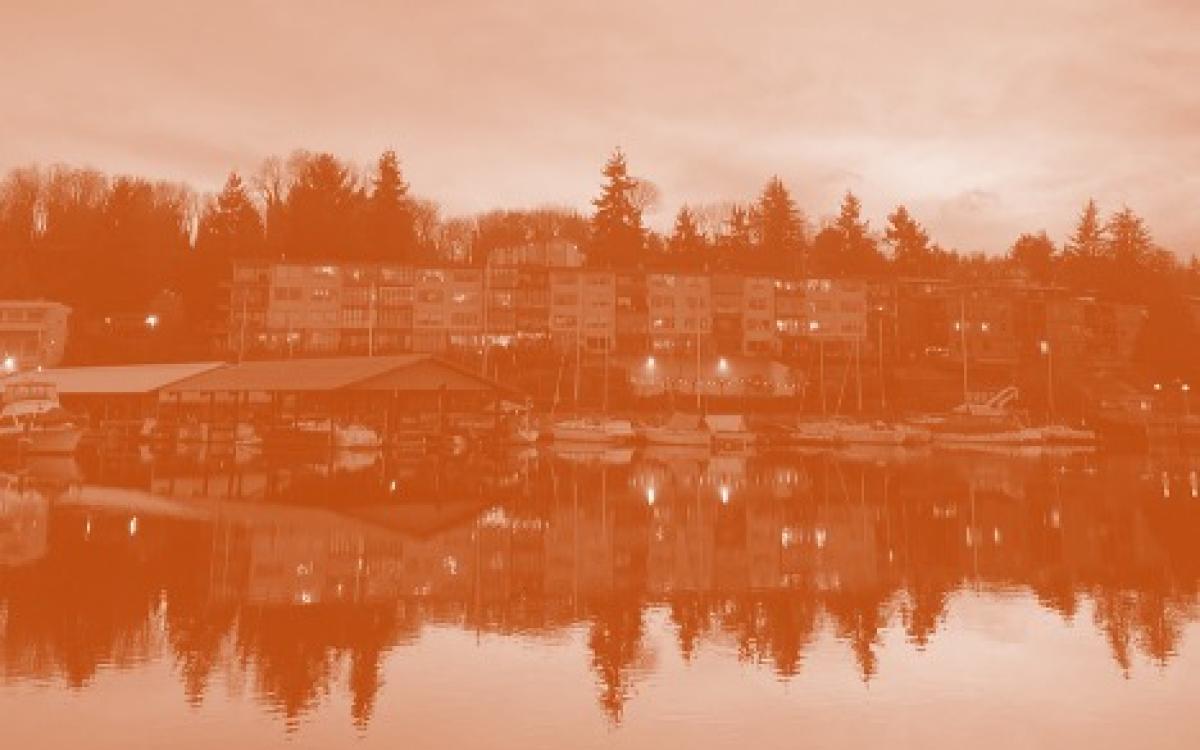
(330, 374)
(116, 379)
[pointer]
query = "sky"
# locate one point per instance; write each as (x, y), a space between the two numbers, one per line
(985, 121)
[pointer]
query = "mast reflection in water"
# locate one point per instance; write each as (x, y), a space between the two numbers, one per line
(314, 591)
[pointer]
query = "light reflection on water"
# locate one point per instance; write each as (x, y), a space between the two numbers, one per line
(590, 599)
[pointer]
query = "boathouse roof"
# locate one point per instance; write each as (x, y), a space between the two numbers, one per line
(406, 372)
(114, 379)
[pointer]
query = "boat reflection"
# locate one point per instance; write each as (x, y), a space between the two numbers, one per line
(303, 579)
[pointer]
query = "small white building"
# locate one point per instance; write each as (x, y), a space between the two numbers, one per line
(33, 333)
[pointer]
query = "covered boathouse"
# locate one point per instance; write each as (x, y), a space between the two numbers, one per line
(392, 395)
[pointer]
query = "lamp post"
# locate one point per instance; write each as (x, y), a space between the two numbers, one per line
(1047, 352)
(722, 373)
(1187, 407)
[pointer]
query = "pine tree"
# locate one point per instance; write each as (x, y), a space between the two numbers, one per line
(859, 255)
(323, 210)
(617, 234)
(778, 229)
(1034, 255)
(391, 231)
(911, 253)
(1087, 242)
(686, 237)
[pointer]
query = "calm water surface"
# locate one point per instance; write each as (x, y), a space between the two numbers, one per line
(602, 600)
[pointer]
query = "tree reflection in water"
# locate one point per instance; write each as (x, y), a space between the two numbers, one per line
(299, 579)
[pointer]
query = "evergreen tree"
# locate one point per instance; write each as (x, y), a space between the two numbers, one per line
(617, 234)
(391, 232)
(323, 210)
(778, 229)
(859, 255)
(1087, 242)
(911, 252)
(686, 238)
(230, 229)
(1033, 254)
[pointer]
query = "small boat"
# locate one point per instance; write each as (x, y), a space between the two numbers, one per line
(591, 430)
(879, 433)
(324, 433)
(810, 432)
(33, 422)
(981, 424)
(730, 434)
(681, 429)
(1060, 434)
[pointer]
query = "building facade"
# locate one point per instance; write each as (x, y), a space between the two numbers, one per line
(33, 333)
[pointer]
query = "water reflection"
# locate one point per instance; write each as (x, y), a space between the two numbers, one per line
(298, 578)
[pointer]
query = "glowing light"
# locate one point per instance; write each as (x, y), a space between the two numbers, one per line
(651, 496)
(10, 364)
(1044, 346)
(724, 494)
(152, 321)
(651, 363)
(985, 326)
(133, 526)
(1185, 388)
(722, 365)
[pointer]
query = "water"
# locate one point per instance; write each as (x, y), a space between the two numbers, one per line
(602, 600)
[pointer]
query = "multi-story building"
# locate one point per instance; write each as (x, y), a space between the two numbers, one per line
(633, 313)
(835, 310)
(583, 310)
(33, 333)
(728, 291)
(759, 336)
(680, 312)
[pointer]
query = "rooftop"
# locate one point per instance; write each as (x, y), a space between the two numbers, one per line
(118, 379)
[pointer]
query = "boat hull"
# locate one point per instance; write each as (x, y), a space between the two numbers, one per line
(43, 442)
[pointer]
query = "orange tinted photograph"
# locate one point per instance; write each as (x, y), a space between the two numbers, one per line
(628, 375)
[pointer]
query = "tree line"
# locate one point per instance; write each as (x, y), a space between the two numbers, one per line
(102, 243)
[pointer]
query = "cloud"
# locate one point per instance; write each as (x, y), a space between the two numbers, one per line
(989, 120)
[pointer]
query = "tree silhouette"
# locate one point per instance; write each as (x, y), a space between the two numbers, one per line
(777, 227)
(391, 230)
(1033, 255)
(911, 252)
(617, 234)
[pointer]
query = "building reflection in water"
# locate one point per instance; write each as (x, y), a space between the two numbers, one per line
(298, 578)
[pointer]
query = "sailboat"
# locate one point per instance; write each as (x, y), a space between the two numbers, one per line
(600, 430)
(680, 429)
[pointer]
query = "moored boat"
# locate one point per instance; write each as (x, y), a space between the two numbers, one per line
(33, 422)
(592, 430)
(680, 429)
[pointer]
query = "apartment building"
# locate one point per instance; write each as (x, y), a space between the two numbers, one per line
(33, 333)
(680, 312)
(583, 310)
(758, 316)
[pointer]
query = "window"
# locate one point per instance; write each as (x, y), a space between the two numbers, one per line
(321, 294)
(566, 300)
(463, 320)
(430, 296)
(565, 321)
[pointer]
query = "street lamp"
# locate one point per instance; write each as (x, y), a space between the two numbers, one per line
(1187, 389)
(1044, 348)
(152, 321)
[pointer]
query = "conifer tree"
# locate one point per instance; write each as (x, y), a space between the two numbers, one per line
(777, 226)
(617, 234)
(686, 237)
(911, 252)
(391, 230)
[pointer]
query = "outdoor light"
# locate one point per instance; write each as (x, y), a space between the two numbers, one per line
(10, 364)
(1044, 346)
(814, 325)
(724, 495)
(1158, 386)
(723, 365)
(1185, 388)
(985, 326)
(650, 363)
(152, 321)
(650, 496)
